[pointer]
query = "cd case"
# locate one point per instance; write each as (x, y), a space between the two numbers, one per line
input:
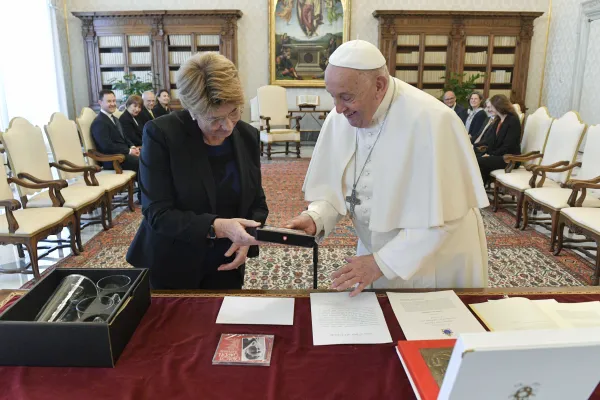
(290, 237)
(244, 349)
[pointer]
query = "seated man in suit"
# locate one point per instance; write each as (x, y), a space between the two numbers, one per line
(146, 114)
(450, 101)
(162, 107)
(108, 134)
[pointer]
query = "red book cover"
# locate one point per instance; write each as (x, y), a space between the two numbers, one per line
(425, 363)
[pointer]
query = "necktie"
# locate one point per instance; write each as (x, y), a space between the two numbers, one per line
(118, 125)
(151, 113)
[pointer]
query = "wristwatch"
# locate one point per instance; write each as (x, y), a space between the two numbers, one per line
(212, 234)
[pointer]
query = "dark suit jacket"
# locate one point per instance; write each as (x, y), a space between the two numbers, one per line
(132, 131)
(485, 129)
(108, 138)
(144, 116)
(179, 198)
(508, 138)
(461, 112)
(477, 123)
(159, 111)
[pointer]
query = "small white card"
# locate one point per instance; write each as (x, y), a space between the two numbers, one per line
(338, 318)
(256, 311)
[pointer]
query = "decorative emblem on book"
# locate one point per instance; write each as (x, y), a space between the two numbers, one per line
(447, 332)
(524, 392)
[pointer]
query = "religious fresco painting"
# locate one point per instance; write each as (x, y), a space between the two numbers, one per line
(302, 36)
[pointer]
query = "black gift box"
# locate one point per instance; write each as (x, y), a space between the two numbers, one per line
(23, 341)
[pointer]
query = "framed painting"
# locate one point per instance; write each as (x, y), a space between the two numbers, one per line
(302, 36)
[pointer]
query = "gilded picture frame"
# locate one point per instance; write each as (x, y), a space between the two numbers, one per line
(302, 35)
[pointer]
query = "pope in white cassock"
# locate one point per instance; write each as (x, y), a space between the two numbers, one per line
(400, 163)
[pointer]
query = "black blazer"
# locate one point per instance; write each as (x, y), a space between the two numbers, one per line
(144, 116)
(132, 131)
(108, 138)
(159, 111)
(508, 138)
(179, 198)
(461, 112)
(477, 123)
(485, 129)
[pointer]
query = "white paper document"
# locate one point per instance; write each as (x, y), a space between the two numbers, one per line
(256, 311)
(433, 315)
(338, 318)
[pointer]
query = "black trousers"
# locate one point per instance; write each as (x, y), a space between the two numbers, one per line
(217, 280)
(489, 164)
(132, 163)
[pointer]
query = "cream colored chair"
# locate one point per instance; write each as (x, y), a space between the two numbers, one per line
(117, 113)
(29, 226)
(533, 141)
(560, 150)
(254, 113)
(272, 105)
(520, 113)
(27, 153)
(66, 148)
(84, 122)
(553, 200)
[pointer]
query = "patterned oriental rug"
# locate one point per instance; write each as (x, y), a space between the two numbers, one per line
(517, 258)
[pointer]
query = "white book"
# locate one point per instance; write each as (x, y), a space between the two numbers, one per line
(548, 365)
(256, 311)
(433, 315)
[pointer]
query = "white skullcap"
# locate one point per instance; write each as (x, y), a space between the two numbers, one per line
(357, 54)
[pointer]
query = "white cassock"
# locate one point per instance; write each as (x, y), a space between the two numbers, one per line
(420, 191)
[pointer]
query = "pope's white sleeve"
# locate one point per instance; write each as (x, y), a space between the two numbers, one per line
(324, 215)
(404, 255)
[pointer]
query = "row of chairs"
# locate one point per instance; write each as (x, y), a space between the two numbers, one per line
(47, 205)
(541, 181)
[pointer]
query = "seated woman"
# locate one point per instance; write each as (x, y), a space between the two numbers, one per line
(485, 130)
(132, 128)
(477, 115)
(200, 180)
(162, 105)
(505, 137)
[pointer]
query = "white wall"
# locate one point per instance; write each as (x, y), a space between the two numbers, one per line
(253, 35)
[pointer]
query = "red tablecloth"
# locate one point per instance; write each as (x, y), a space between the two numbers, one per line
(170, 357)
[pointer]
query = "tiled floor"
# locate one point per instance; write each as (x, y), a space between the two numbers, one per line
(9, 258)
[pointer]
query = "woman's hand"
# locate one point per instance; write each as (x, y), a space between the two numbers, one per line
(304, 223)
(234, 229)
(240, 257)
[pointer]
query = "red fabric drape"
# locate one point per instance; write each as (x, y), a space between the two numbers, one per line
(170, 357)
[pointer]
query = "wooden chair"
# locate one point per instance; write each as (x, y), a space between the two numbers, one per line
(27, 227)
(272, 104)
(583, 221)
(560, 150)
(66, 147)
(27, 153)
(553, 200)
(84, 122)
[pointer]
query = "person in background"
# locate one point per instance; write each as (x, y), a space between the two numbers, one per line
(477, 115)
(162, 108)
(108, 134)
(506, 137)
(450, 101)
(146, 114)
(132, 128)
(201, 187)
(486, 127)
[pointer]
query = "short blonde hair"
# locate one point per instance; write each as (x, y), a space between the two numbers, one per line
(206, 81)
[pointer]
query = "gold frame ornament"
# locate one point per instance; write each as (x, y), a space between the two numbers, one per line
(302, 36)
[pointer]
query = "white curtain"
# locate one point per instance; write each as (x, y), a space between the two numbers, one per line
(31, 76)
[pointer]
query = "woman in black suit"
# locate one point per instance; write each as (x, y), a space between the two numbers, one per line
(506, 140)
(477, 115)
(132, 128)
(201, 184)
(162, 105)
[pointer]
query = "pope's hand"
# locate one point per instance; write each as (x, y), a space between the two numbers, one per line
(304, 223)
(362, 270)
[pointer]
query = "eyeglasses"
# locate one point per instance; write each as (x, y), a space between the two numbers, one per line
(234, 116)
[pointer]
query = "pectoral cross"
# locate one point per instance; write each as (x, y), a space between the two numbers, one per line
(354, 201)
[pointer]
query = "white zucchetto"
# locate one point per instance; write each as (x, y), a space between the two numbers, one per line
(357, 54)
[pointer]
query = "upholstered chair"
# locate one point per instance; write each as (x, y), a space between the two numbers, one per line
(28, 157)
(274, 113)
